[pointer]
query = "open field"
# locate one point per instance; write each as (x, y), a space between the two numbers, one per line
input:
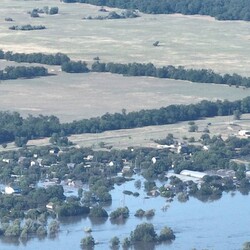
(144, 137)
(198, 42)
(75, 96)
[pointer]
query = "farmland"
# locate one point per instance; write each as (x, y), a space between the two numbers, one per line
(193, 42)
(76, 96)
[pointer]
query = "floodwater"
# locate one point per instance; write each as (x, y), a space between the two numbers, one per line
(221, 224)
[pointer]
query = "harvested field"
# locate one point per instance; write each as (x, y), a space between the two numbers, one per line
(191, 41)
(76, 96)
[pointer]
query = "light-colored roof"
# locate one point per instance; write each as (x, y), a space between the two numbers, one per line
(191, 173)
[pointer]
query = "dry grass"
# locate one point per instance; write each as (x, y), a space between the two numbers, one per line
(146, 136)
(77, 96)
(191, 41)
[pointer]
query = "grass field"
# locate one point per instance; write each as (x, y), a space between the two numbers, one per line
(224, 126)
(199, 42)
(76, 96)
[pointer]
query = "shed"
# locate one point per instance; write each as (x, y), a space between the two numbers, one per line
(191, 173)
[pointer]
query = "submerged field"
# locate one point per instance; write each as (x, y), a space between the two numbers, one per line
(197, 42)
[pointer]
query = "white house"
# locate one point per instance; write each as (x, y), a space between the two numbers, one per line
(11, 190)
(245, 133)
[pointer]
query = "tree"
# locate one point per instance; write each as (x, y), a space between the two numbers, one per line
(114, 242)
(193, 128)
(54, 227)
(237, 114)
(98, 211)
(144, 232)
(120, 213)
(166, 234)
(126, 243)
(53, 10)
(246, 246)
(88, 241)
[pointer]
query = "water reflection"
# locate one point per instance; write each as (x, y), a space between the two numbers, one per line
(196, 224)
(97, 221)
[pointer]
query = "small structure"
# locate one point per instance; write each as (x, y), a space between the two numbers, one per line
(248, 174)
(12, 190)
(50, 206)
(156, 43)
(245, 133)
(111, 164)
(89, 158)
(195, 174)
(126, 169)
(154, 193)
(6, 160)
(71, 165)
(154, 159)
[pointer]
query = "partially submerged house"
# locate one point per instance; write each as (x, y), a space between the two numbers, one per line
(12, 190)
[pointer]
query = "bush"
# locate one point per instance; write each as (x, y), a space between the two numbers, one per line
(166, 234)
(88, 241)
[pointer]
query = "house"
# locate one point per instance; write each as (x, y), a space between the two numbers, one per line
(154, 159)
(89, 158)
(39, 161)
(32, 163)
(12, 190)
(111, 164)
(6, 160)
(50, 205)
(21, 159)
(71, 165)
(126, 169)
(154, 193)
(195, 174)
(245, 133)
(54, 151)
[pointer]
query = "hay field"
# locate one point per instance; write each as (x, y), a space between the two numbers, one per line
(75, 96)
(191, 41)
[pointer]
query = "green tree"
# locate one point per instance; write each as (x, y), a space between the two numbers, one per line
(166, 234)
(246, 246)
(114, 242)
(88, 241)
(144, 232)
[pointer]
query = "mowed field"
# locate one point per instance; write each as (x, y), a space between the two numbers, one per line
(76, 96)
(190, 41)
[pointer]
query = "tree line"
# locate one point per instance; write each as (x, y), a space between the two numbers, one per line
(220, 9)
(14, 127)
(56, 59)
(177, 73)
(11, 72)
(27, 27)
(130, 69)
